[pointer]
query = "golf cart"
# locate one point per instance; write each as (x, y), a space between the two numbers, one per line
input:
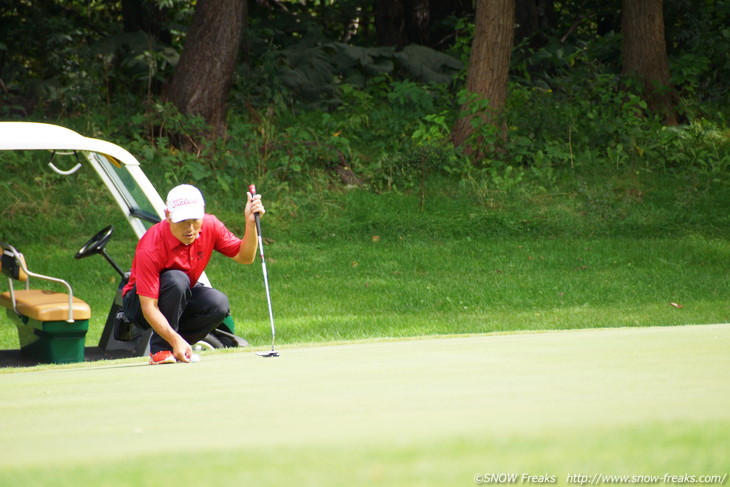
(52, 325)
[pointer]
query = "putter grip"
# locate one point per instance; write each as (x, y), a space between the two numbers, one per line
(252, 190)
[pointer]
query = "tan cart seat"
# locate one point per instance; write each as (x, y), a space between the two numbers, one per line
(43, 305)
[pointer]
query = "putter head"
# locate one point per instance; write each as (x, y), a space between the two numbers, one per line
(270, 353)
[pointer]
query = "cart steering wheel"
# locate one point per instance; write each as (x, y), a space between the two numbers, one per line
(96, 244)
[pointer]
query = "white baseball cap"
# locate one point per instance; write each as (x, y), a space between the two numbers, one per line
(185, 202)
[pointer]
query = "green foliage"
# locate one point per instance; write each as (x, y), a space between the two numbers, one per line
(485, 140)
(72, 55)
(314, 108)
(699, 40)
(46, 54)
(702, 147)
(315, 73)
(135, 61)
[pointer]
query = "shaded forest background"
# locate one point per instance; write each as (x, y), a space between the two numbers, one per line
(380, 94)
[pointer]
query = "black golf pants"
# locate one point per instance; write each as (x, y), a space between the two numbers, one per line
(192, 312)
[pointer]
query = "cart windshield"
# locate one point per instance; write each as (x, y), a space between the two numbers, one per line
(128, 189)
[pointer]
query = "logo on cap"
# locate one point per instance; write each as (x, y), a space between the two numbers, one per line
(185, 202)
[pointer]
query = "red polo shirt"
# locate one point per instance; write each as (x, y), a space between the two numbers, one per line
(158, 250)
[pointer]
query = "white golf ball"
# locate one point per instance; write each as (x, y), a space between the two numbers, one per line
(194, 358)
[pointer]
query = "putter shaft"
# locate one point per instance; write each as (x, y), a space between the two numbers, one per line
(266, 282)
(273, 353)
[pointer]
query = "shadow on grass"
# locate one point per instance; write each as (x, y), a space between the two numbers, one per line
(15, 358)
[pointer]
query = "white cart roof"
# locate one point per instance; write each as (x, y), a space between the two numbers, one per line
(44, 136)
(118, 169)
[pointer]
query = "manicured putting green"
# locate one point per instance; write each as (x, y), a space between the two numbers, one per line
(432, 411)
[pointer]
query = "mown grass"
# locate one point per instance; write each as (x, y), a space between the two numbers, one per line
(460, 257)
(441, 411)
(409, 289)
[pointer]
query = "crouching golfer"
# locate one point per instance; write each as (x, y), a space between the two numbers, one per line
(163, 290)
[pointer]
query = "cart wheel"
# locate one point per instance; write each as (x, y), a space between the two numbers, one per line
(226, 342)
(210, 342)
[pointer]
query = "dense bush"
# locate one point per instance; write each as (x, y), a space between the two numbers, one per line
(310, 111)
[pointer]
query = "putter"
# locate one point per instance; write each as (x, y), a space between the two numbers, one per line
(272, 352)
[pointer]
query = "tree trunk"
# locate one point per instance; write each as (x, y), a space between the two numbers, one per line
(204, 75)
(399, 23)
(417, 21)
(488, 72)
(645, 55)
(533, 18)
(390, 27)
